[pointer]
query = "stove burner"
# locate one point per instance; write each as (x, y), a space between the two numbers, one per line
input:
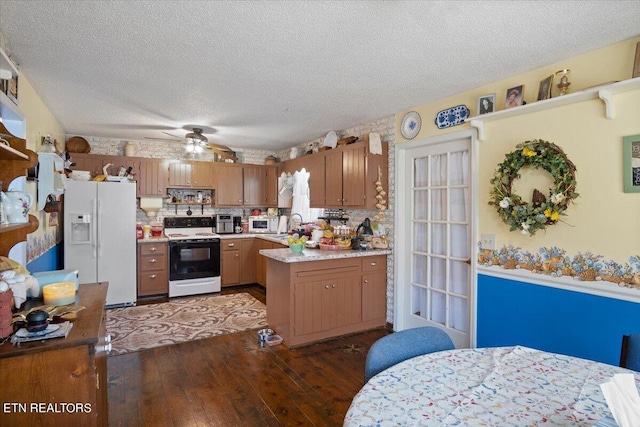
(205, 234)
(177, 235)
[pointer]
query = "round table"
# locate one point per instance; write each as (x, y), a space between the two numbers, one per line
(500, 386)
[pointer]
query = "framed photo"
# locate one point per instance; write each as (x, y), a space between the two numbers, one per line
(3, 86)
(631, 163)
(12, 89)
(486, 103)
(636, 63)
(514, 98)
(544, 91)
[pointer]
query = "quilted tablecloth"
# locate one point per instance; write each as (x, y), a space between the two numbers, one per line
(502, 386)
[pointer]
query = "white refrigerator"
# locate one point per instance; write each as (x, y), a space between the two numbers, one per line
(100, 236)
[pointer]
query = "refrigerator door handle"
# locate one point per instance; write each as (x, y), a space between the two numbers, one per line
(94, 248)
(99, 220)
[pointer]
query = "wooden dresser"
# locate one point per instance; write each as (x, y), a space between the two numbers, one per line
(60, 381)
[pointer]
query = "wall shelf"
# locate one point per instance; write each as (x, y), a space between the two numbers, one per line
(9, 153)
(604, 92)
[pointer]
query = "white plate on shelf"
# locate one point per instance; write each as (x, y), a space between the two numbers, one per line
(331, 140)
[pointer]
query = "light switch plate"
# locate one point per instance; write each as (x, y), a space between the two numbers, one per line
(488, 241)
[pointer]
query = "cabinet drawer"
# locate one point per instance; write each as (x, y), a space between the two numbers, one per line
(230, 245)
(153, 249)
(153, 283)
(374, 263)
(153, 262)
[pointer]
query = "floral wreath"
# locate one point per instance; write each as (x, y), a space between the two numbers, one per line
(537, 214)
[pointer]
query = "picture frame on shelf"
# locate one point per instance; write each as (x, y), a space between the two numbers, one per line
(544, 91)
(631, 163)
(514, 97)
(486, 103)
(12, 89)
(636, 63)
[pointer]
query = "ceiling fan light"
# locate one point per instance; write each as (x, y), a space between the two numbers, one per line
(197, 148)
(190, 148)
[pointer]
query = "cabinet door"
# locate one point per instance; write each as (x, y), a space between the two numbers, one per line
(316, 169)
(152, 177)
(87, 162)
(325, 304)
(374, 296)
(248, 261)
(354, 174)
(333, 179)
(228, 185)
(230, 268)
(202, 175)
(180, 174)
(271, 186)
(254, 182)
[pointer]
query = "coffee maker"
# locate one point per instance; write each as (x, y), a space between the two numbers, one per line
(364, 233)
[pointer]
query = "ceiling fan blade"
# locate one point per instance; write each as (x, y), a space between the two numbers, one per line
(219, 146)
(223, 154)
(167, 133)
(163, 139)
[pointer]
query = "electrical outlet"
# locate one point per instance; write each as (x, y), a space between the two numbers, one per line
(488, 241)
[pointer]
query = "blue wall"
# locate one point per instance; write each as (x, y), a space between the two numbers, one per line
(583, 325)
(52, 259)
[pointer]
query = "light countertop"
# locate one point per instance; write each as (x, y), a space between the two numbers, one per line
(287, 256)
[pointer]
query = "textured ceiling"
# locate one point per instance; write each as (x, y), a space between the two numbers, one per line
(270, 75)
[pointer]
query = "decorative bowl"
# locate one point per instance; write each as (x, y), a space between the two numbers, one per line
(296, 247)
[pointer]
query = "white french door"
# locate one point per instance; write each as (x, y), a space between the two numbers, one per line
(435, 229)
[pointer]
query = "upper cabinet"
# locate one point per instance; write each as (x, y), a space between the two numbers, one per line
(240, 185)
(343, 177)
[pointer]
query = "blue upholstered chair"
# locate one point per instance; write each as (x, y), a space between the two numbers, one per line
(630, 352)
(398, 346)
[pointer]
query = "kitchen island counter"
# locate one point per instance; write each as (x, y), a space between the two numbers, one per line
(287, 256)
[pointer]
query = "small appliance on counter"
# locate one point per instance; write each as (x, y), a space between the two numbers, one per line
(364, 234)
(226, 224)
(263, 224)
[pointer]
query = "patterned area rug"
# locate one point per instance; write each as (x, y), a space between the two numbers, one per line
(182, 319)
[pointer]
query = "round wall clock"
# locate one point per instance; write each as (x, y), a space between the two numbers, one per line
(411, 123)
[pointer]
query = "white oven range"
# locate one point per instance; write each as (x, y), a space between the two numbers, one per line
(194, 255)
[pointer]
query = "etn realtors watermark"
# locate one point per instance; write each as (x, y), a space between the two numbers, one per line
(46, 408)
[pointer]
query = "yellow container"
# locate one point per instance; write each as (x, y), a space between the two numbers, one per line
(61, 293)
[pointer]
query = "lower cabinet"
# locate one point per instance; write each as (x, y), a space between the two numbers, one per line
(238, 261)
(60, 382)
(316, 300)
(261, 260)
(153, 269)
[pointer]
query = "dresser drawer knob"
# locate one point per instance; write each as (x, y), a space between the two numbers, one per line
(153, 249)
(152, 260)
(153, 276)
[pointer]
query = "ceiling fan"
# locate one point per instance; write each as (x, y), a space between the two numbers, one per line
(196, 142)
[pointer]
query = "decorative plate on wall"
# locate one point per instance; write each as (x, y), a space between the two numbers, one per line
(452, 116)
(411, 124)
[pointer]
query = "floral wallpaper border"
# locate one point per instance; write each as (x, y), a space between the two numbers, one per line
(38, 245)
(555, 262)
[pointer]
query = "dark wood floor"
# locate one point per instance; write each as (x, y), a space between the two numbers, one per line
(231, 381)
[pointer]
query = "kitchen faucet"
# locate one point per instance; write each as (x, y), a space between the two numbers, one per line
(291, 222)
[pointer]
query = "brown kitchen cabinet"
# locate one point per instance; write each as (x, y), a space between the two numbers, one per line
(374, 288)
(202, 175)
(240, 185)
(180, 174)
(71, 370)
(315, 300)
(153, 269)
(261, 261)
(238, 261)
(152, 177)
(88, 162)
(345, 175)
(317, 186)
(271, 186)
